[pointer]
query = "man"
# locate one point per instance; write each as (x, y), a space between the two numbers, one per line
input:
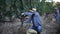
(35, 18)
(57, 14)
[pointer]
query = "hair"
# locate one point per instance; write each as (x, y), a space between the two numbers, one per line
(30, 8)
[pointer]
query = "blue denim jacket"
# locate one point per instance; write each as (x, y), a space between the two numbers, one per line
(57, 14)
(37, 21)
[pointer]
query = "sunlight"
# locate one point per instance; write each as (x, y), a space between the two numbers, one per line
(56, 0)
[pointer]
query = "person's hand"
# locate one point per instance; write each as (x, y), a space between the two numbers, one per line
(27, 17)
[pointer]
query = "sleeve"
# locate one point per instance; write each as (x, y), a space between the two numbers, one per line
(28, 20)
(25, 13)
(58, 12)
(39, 19)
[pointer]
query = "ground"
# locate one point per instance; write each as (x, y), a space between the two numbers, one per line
(15, 27)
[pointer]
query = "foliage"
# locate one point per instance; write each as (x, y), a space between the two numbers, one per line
(58, 5)
(8, 8)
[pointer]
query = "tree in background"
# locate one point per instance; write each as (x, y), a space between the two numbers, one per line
(58, 5)
(2, 9)
(9, 8)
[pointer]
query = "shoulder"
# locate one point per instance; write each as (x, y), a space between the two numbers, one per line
(36, 13)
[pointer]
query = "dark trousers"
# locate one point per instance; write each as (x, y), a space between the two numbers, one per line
(37, 31)
(35, 28)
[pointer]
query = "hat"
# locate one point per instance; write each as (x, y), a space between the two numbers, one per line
(34, 9)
